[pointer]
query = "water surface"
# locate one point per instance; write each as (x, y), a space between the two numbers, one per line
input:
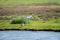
(29, 35)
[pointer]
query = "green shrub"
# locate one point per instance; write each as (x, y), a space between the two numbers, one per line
(18, 21)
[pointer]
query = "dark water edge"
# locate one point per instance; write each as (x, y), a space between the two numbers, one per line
(30, 30)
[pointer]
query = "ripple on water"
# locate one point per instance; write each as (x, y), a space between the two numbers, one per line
(29, 35)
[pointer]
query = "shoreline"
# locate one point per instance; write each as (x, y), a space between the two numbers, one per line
(30, 30)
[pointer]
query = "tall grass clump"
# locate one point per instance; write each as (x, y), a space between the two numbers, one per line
(18, 21)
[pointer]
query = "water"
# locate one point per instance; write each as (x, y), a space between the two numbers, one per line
(29, 35)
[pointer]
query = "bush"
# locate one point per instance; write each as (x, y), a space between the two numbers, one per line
(18, 21)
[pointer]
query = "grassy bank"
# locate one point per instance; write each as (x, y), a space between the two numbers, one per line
(14, 2)
(34, 24)
(47, 14)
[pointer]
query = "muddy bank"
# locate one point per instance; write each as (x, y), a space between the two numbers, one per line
(30, 30)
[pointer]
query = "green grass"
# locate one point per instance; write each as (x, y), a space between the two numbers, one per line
(36, 24)
(14, 2)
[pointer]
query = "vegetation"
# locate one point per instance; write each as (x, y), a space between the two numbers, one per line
(47, 14)
(14, 2)
(18, 21)
(34, 24)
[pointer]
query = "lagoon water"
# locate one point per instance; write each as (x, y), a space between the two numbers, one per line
(29, 35)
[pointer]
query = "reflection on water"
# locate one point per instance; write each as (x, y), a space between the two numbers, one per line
(29, 35)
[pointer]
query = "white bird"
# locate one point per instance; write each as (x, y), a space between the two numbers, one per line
(28, 17)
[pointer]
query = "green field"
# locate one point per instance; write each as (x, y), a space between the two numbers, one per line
(40, 24)
(14, 2)
(34, 24)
